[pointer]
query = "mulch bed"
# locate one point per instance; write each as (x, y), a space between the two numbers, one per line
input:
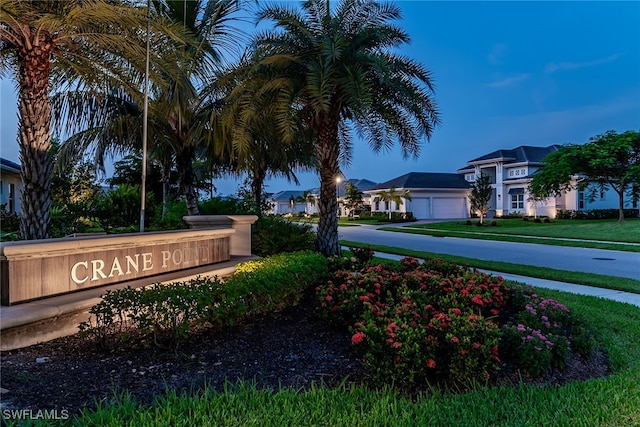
(292, 349)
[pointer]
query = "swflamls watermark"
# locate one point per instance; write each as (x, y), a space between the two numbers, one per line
(35, 414)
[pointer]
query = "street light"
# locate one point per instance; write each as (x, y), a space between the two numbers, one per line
(338, 181)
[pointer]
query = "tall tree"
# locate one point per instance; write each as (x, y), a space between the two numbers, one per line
(481, 192)
(182, 113)
(335, 68)
(393, 196)
(610, 160)
(50, 44)
(352, 196)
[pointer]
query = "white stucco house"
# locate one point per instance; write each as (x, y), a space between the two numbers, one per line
(10, 186)
(511, 171)
(361, 184)
(433, 195)
(287, 202)
(445, 195)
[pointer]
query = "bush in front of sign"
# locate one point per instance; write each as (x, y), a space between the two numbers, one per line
(166, 313)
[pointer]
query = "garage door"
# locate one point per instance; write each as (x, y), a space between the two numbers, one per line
(446, 207)
(420, 206)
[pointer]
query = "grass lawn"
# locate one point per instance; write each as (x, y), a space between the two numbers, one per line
(610, 401)
(603, 234)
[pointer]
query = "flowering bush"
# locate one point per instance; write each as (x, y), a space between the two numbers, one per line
(437, 321)
(414, 324)
(542, 333)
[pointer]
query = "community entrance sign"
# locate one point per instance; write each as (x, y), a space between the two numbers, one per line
(35, 269)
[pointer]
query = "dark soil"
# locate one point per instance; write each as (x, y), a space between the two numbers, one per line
(293, 349)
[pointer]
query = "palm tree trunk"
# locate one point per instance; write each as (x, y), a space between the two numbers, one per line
(327, 154)
(184, 163)
(256, 187)
(34, 138)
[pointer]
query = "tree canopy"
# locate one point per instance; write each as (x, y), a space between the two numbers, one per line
(481, 192)
(53, 46)
(333, 68)
(610, 160)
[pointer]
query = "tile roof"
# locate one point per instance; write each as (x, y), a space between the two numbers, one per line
(286, 195)
(361, 184)
(521, 154)
(426, 180)
(9, 165)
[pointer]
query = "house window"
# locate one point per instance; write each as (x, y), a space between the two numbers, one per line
(470, 177)
(580, 199)
(12, 198)
(517, 201)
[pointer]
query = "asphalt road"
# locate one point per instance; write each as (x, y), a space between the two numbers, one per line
(610, 263)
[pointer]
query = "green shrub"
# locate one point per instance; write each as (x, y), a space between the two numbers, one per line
(596, 214)
(167, 312)
(273, 234)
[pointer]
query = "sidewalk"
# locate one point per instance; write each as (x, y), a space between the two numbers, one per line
(619, 296)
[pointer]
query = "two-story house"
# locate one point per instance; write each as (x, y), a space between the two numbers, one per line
(511, 172)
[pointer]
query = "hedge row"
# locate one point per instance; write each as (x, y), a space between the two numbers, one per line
(168, 312)
(596, 214)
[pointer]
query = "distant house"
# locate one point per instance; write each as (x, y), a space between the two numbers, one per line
(293, 202)
(361, 184)
(433, 195)
(10, 186)
(287, 202)
(511, 172)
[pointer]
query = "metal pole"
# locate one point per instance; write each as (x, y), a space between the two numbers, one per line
(145, 115)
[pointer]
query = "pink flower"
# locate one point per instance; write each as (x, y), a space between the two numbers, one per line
(358, 337)
(455, 340)
(431, 363)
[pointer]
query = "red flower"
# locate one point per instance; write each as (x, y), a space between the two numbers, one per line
(477, 300)
(456, 311)
(431, 363)
(358, 337)
(455, 340)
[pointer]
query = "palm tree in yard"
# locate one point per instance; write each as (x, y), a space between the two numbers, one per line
(333, 67)
(53, 45)
(393, 196)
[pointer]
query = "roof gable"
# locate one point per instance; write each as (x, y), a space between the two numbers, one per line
(521, 154)
(425, 180)
(10, 166)
(287, 195)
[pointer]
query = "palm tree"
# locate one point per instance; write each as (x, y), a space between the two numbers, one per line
(393, 196)
(51, 45)
(336, 69)
(182, 110)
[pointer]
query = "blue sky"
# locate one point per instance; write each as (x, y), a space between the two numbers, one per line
(506, 74)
